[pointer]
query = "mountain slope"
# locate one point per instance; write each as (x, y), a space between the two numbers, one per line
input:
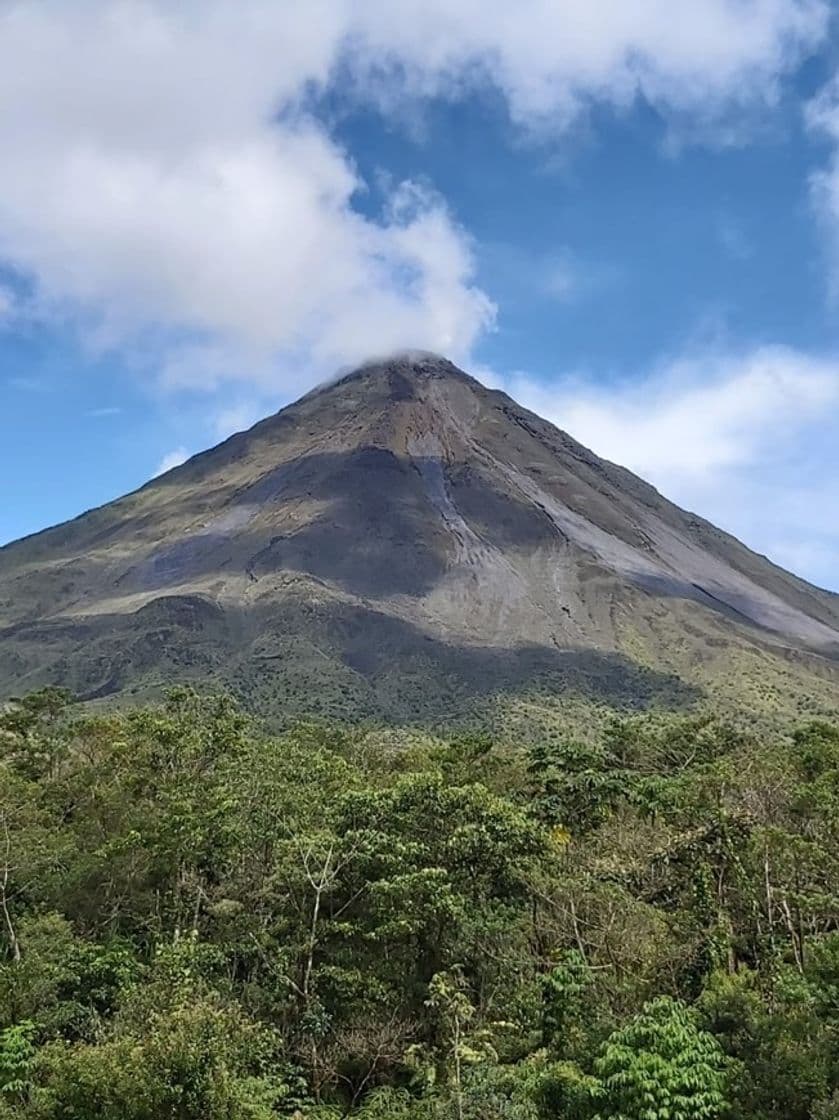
(407, 544)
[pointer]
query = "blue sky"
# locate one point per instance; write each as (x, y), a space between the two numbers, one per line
(631, 223)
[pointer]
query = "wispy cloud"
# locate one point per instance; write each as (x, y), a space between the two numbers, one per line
(746, 439)
(7, 303)
(27, 384)
(822, 115)
(733, 238)
(142, 194)
(237, 418)
(171, 460)
(143, 198)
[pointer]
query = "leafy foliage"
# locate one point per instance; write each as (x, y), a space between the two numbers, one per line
(200, 921)
(659, 1066)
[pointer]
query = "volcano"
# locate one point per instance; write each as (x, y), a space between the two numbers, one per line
(408, 546)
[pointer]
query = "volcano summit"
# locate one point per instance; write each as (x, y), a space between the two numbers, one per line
(408, 545)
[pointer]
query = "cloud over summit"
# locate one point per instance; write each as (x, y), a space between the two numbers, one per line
(164, 172)
(173, 190)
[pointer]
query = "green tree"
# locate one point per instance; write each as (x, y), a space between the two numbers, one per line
(661, 1066)
(17, 1054)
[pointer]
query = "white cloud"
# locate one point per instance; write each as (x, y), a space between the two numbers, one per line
(823, 117)
(550, 58)
(166, 182)
(237, 418)
(171, 460)
(747, 440)
(697, 415)
(7, 303)
(161, 174)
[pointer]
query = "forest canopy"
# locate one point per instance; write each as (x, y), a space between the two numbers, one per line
(201, 921)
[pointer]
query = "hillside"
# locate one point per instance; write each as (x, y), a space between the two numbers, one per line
(407, 545)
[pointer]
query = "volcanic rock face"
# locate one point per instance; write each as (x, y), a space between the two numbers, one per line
(405, 544)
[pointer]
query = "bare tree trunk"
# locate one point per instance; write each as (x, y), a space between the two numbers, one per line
(318, 885)
(793, 935)
(577, 935)
(770, 909)
(457, 1076)
(319, 882)
(14, 944)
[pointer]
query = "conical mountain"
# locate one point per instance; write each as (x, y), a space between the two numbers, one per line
(408, 545)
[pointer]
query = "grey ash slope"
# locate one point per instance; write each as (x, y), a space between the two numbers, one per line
(406, 544)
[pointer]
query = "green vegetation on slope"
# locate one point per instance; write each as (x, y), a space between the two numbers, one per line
(201, 922)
